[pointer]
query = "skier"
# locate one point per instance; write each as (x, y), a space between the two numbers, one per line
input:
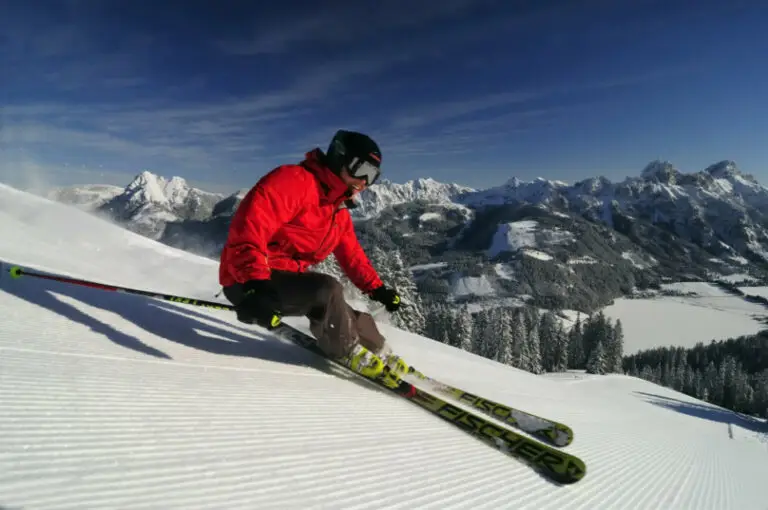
(293, 218)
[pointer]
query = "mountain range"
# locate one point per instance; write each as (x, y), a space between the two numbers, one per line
(552, 243)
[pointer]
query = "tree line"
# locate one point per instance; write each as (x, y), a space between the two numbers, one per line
(729, 373)
(525, 338)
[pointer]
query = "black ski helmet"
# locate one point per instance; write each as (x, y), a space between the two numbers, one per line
(357, 152)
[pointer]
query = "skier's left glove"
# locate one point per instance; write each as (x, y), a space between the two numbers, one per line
(260, 304)
(388, 297)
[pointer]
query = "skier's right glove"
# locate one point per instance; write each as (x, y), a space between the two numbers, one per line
(388, 297)
(260, 304)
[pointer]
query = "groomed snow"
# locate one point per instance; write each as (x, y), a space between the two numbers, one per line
(117, 401)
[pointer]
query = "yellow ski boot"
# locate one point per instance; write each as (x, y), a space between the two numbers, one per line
(364, 362)
(395, 368)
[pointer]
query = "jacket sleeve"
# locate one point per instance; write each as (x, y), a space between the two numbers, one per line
(352, 258)
(274, 201)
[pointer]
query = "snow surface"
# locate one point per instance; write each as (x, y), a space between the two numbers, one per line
(471, 285)
(427, 267)
(117, 401)
(738, 278)
(522, 235)
(504, 271)
(87, 197)
(635, 259)
(538, 254)
(755, 291)
(513, 236)
(708, 314)
(582, 260)
(431, 216)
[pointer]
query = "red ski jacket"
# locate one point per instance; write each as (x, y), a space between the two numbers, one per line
(293, 218)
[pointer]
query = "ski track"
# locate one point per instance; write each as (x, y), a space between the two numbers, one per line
(138, 444)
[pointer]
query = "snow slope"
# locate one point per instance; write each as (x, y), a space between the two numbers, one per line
(116, 401)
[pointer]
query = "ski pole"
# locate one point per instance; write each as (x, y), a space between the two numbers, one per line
(18, 272)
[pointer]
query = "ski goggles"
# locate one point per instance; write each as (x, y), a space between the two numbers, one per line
(361, 169)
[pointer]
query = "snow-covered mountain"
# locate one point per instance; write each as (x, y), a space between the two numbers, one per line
(574, 245)
(120, 401)
(718, 209)
(386, 194)
(151, 201)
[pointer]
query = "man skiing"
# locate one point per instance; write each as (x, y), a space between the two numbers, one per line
(293, 218)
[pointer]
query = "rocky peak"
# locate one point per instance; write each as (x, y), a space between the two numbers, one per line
(662, 171)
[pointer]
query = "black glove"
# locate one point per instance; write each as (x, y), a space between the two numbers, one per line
(260, 304)
(388, 297)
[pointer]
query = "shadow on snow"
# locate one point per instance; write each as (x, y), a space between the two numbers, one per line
(175, 323)
(707, 412)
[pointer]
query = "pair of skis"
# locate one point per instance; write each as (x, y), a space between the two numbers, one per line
(494, 430)
(500, 426)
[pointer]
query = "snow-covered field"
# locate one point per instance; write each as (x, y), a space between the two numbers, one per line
(513, 236)
(117, 401)
(708, 314)
(755, 291)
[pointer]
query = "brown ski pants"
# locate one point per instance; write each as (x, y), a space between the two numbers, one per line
(337, 326)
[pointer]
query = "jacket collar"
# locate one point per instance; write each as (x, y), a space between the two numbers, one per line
(334, 190)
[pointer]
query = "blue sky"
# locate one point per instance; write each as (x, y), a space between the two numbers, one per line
(468, 91)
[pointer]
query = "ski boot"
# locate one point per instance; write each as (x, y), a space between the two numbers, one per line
(363, 362)
(395, 368)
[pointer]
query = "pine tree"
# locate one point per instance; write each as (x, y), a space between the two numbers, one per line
(698, 385)
(561, 349)
(760, 397)
(618, 348)
(463, 329)
(395, 273)
(576, 358)
(491, 341)
(439, 322)
(728, 368)
(596, 329)
(433, 321)
(519, 346)
(710, 383)
(646, 373)
(482, 318)
(534, 349)
(597, 361)
(505, 333)
(547, 340)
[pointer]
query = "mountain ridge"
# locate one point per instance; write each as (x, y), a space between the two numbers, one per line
(578, 245)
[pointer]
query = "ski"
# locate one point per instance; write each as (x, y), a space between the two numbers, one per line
(553, 432)
(552, 463)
